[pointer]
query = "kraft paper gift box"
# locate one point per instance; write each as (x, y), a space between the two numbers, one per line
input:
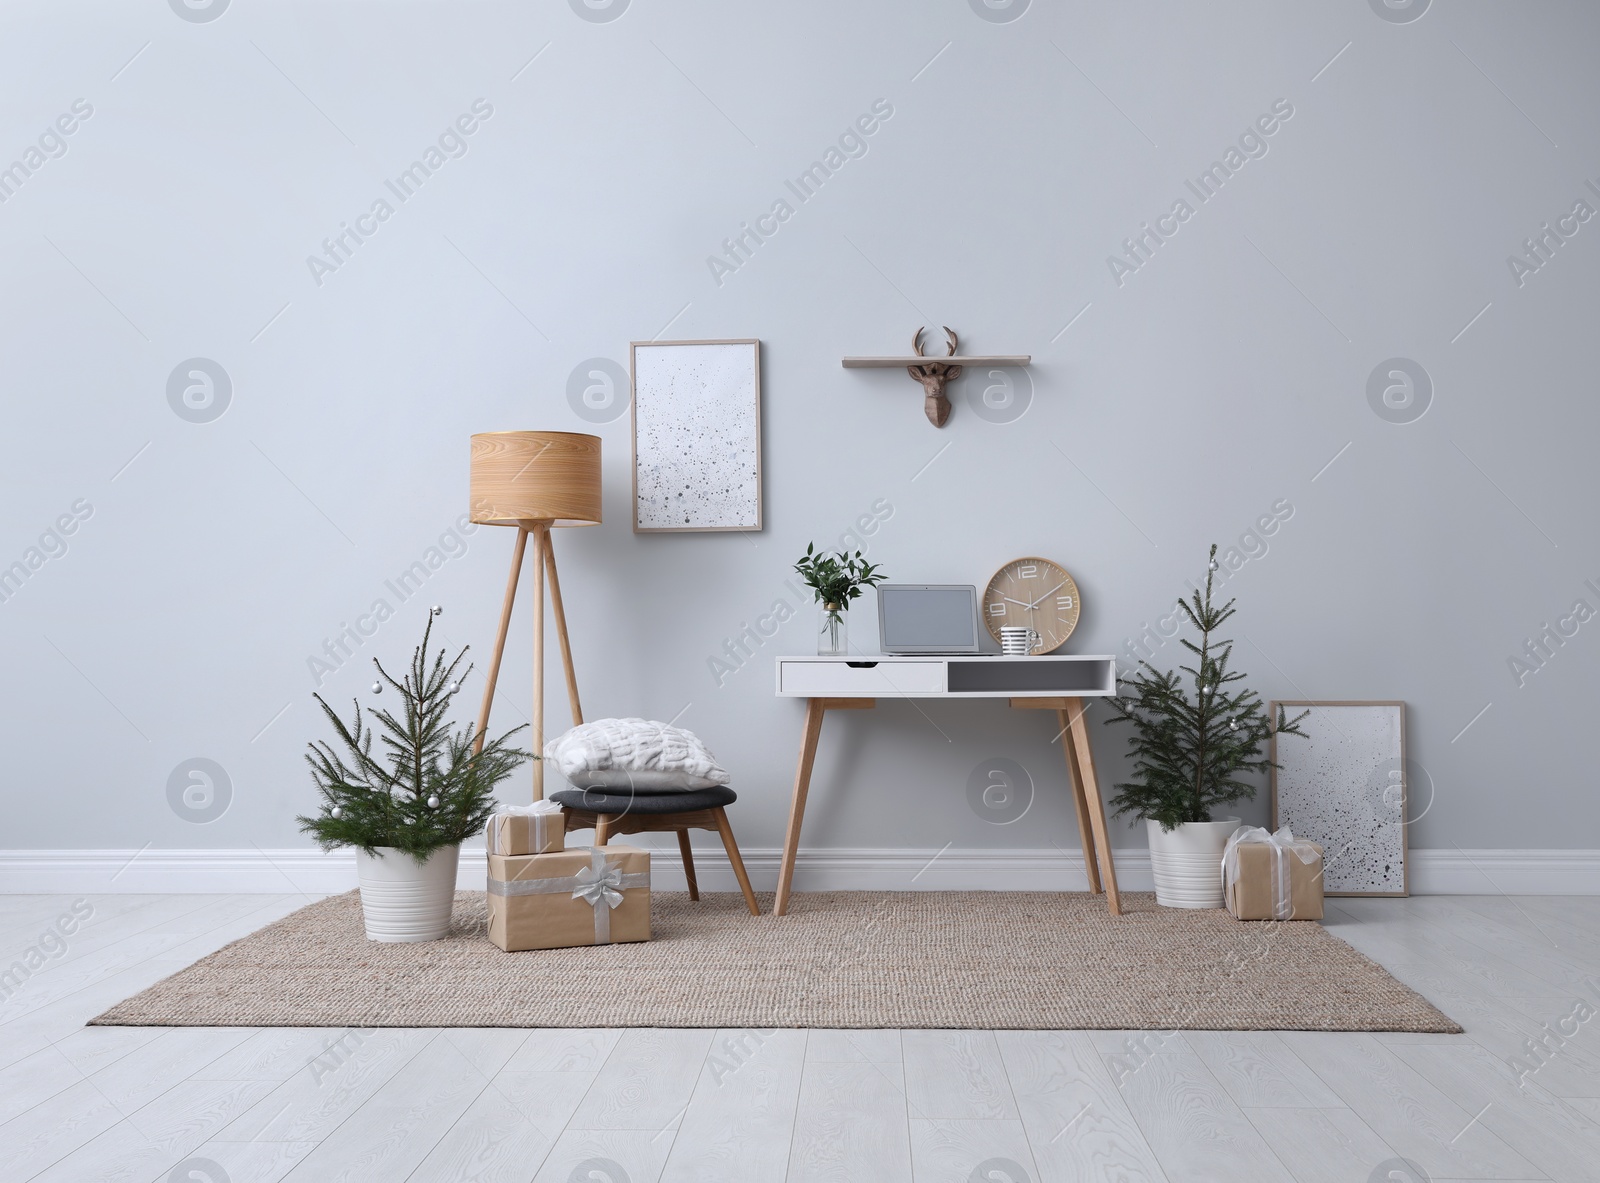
(540, 828)
(588, 895)
(1272, 876)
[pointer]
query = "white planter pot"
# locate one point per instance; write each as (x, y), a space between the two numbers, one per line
(1188, 862)
(403, 900)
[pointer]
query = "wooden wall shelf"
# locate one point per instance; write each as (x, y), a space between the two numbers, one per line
(932, 373)
(894, 363)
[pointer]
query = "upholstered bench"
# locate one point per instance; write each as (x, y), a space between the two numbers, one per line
(610, 811)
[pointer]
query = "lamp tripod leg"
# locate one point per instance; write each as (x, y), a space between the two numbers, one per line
(541, 548)
(500, 640)
(561, 629)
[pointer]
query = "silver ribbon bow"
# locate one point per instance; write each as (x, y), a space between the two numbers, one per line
(1282, 843)
(598, 886)
(604, 889)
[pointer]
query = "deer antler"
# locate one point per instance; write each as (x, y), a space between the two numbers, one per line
(953, 340)
(916, 342)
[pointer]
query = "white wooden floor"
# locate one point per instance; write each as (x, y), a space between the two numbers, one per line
(85, 1105)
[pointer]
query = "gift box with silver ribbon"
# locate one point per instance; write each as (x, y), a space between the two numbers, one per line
(539, 828)
(1268, 876)
(588, 895)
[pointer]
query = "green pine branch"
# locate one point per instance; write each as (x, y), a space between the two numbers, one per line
(1193, 753)
(371, 801)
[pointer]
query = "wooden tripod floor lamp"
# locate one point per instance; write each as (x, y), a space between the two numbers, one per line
(534, 480)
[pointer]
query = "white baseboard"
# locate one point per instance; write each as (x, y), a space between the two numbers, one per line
(1433, 872)
(1505, 872)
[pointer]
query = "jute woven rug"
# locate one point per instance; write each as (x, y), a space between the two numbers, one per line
(1032, 960)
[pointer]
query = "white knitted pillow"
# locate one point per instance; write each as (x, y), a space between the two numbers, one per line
(672, 757)
(644, 780)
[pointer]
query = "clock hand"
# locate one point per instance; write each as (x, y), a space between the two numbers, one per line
(1041, 599)
(1018, 603)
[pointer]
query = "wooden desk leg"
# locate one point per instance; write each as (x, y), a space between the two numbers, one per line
(1097, 809)
(797, 806)
(1080, 802)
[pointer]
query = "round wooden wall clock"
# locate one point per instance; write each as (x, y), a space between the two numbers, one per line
(1036, 594)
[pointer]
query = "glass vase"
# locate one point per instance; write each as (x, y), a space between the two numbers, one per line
(833, 630)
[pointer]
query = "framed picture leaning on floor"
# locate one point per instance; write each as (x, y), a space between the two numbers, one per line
(1345, 787)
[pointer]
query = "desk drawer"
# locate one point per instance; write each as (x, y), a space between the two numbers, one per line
(884, 679)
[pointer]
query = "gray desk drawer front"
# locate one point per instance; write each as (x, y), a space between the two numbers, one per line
(880, 680)
(1028, 675)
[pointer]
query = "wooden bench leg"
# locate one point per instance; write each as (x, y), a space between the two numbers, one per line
(602, 830)
(688, 864)
(732, 848)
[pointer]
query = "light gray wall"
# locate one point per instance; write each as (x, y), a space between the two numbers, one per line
(1227, 375)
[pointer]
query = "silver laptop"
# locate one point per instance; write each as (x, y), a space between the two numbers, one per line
(928, 617)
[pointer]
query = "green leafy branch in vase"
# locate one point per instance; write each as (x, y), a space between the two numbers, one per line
(1189, 755)
(835, 580)
(429, 788)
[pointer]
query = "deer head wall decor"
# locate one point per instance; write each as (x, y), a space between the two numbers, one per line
(933, 375)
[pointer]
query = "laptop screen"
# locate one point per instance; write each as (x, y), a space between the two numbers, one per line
(928, 618)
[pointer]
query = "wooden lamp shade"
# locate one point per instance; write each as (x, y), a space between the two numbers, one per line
(534, 480)
(535, 476)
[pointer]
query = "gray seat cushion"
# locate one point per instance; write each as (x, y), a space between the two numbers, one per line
(623, 801)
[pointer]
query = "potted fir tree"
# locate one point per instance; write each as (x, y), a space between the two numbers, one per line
(835, 580)
(407, 811)
(1189, 756)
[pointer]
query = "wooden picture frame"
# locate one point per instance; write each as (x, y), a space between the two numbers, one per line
(698, 412)
(1348, 796)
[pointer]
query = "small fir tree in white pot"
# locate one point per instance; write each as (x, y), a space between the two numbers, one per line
(407, 811)
(1189, 756)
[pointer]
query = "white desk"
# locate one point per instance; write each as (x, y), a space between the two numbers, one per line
(1053, 683)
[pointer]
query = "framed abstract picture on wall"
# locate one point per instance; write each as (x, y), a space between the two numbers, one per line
(1345, 786)
(696, 435)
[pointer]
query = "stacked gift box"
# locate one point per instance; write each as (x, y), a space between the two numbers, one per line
(539, 828)
(544, 896)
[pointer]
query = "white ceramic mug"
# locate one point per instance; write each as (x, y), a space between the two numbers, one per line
(1017, 640)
